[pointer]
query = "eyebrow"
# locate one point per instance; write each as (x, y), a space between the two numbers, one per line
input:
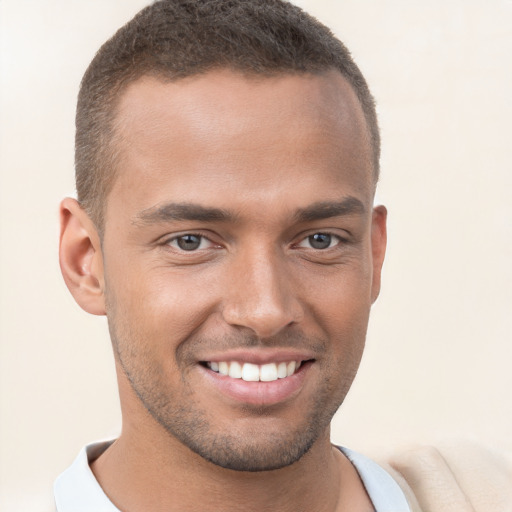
(327, 209)
(169, 212)
(182, 211)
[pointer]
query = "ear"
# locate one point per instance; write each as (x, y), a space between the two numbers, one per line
(80, 256)
(379, 241)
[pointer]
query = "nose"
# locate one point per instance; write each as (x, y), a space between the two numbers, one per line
(262, 294)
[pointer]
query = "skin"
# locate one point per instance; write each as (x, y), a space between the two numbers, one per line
(267, 163)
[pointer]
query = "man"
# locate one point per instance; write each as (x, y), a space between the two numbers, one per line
(227, 154)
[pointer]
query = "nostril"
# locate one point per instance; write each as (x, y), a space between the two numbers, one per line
(264, 322)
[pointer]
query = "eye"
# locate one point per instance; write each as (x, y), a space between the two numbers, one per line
(320, 241)
(189, 242)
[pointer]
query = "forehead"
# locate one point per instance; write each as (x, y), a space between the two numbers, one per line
(244, 133)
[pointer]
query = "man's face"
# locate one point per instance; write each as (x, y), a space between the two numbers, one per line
(238, 239)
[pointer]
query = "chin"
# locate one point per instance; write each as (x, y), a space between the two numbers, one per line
(235, 454)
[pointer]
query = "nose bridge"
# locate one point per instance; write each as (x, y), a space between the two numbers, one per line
(261, 296)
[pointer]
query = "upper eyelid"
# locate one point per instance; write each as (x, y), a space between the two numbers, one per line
(170, 246)
(174, 236)
(199, 235)
(345, 236)
(170, 238)
(333, 235)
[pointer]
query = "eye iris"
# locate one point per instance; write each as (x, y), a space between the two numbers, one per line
(189, 242)
(320, 241)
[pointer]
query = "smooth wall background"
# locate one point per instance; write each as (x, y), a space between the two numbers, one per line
(439, 346)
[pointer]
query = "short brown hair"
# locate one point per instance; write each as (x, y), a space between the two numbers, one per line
(173, 39)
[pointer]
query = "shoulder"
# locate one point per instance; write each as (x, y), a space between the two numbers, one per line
(458, 476)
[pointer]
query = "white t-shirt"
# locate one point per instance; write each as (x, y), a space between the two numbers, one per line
(77, 490)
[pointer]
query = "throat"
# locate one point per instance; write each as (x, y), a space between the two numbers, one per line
(137, 479)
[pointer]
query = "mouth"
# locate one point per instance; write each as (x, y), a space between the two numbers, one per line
(261, 383)
(250, 372)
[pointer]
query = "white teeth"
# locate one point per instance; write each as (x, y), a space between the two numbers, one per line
(224, 368)
(268, 372)
(252, 372)
(281, 370)
(235, 370)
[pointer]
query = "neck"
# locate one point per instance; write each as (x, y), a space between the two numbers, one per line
(138, 475)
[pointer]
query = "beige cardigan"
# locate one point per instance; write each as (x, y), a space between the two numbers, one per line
(456, 477)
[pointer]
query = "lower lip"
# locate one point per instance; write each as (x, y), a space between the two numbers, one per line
(259, 393)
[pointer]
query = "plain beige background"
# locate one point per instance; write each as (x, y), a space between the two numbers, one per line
(439, 347)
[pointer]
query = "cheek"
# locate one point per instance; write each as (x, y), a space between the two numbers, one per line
(159, 305)
(340, 298)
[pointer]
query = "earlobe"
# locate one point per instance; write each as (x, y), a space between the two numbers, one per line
(379, 241)
(80, 256)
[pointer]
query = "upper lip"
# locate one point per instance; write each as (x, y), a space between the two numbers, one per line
(260, 356)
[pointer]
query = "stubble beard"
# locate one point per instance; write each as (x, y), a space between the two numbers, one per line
(243, 449)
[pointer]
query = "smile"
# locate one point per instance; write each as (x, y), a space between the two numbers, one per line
(250, 372)
(256, 378)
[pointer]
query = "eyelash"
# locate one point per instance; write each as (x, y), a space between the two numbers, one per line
(175, 239)
(332, 238)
